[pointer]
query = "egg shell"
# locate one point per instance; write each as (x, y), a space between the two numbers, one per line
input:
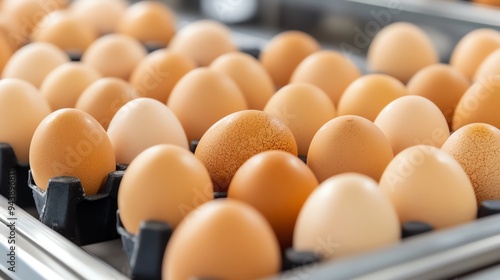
(234, 235)
(143, 123)
(476, 147)
(250, 76)
(368, 95)
(489, 66)
(22, 108)
(102, 16)
(426, 184)
(328, 70)
(69, 142)
(349, 144)
(345, 216)
(163, 183)
(284, 52)
(304, 108)
(277, 184)
(237, 137)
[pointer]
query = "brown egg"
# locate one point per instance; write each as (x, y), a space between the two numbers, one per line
(249, 75)
(69, 142)
(284, 53)
(63, 86)
(338, 215)
(45, 56)
(114, 55)
(101, 15)
(203, 41)
(473, 48)
(328, 70)
(413, 120)
(236, 138)
(150, 22)
(22, 108)
(475, 146)
(401, 49)
(479, 104)
(441, 84)
(489, 66)
(368, 95)
(304, 108)
(426, 184)
(277, 184)
(158, 72)
(202, 97)
(349, 144)
(235, 236)
(164, 183)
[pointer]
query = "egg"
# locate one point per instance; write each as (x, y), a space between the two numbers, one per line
(22, 108)
(140, 124)
(250, 76)
(8, 28)
(114, 55)
(150, 22)
(284, 52)
(368, 95)
(102, 16)
(304, 108)
(489, 66)
(473, 48)
(412, 120)
(349, 144)
(69, 142)
(163, 183)
(475, 146)
(202, 97)
(479, 104)
(426, 184)
(328, 70)
(156, 75)
(235, 237)
(237, 137)
(338, 215)
(277, 184)
(104, 97)
(442, 84)
(401, 49)
(63, 86)
(45, 56)
(203, 41)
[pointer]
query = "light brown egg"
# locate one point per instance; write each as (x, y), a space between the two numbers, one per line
(489, 67)
(101, 15)
(69, 142)
(164, 183)
(150, 22)
(250, 76)
(475, 147)
(338, 215)
(143, 123)
(45, 56)
(401, 49)
(304, 108)
(202, 97)
(479, 104)
(285, 52)
(114, 55)
(22, 108)
(349, 144)
(203, 41)
(328, 70)
(235, 236)
(368, 95)
(156, 75)
(236, 138)
(277, 184)
(473, 48)
(413, 120)
(426, 184)
(63, 86)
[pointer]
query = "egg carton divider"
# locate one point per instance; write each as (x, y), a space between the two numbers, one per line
(14, 178)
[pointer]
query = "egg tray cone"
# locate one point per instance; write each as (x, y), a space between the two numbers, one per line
(82, 219)
(14, 178)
